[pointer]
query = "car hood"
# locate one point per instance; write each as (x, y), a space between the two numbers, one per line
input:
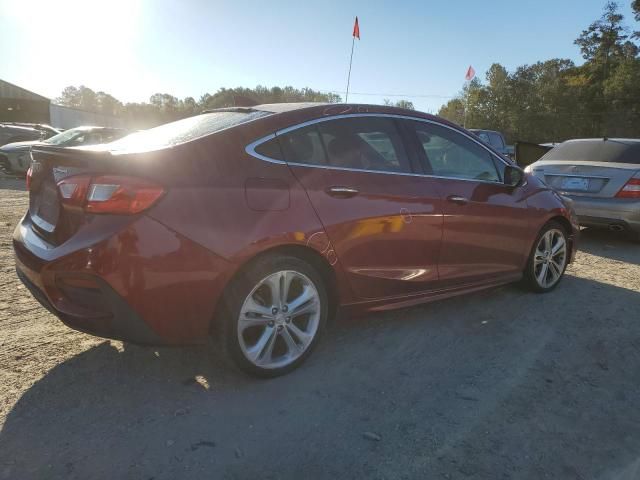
(15, 146)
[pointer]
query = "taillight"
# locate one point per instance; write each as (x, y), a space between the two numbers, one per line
(29, 176)
(109, 193)
(631, 189)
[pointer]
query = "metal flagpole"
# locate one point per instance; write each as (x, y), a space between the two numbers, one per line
(353, 42)
(466, 105)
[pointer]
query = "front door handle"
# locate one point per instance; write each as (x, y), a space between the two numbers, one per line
(458, 199)
(342, 192)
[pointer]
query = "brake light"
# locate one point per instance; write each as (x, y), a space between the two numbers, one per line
(631, 189)
(109, 194)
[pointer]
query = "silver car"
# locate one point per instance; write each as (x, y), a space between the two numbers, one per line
(16, 157)
(601, 176)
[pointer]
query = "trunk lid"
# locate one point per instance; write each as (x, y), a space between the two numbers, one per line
(592, 179)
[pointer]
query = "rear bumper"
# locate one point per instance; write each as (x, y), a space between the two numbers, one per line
(603, 212)
(142, 283)
(118, 321)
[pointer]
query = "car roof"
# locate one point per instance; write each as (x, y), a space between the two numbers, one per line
(628, 141)
(483, 130)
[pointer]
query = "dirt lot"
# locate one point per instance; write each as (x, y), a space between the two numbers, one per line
(501, 384)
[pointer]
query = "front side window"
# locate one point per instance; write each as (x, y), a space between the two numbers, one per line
(451, 154)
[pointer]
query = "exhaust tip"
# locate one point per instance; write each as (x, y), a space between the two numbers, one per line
(614, 227)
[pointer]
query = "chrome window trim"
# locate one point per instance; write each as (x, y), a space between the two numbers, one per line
(250, 149)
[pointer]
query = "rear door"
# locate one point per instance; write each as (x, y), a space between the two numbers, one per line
(385, 224)
(485, 230)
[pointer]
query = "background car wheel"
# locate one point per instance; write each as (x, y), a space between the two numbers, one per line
(275, 313)
(548, 259)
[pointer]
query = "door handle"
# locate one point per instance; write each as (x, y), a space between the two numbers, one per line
(342, 192)
(458, 199)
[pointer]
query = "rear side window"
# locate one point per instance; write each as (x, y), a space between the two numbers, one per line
(364, 143)
(303, 145)
(270, 149)
(496, 140)
(483, 136)
(451, 154)
(615, 151)
(183, 130)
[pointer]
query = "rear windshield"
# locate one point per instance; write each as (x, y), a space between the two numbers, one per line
(596, 151)
(181, 131)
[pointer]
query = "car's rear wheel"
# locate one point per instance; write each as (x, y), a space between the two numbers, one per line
(275, 313)
(548, 259)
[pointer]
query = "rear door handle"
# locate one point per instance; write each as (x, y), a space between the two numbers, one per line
(458, 199)
(342, 192)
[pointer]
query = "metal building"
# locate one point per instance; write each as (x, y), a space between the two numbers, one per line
(20, 105)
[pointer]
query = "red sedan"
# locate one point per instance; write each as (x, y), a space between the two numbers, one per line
(255, 224)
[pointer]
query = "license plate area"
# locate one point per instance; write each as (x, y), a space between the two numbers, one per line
(576, 184)
(44, 207)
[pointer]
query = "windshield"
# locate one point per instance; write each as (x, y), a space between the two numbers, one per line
(615, 151)
(65, 136)
(183, 130)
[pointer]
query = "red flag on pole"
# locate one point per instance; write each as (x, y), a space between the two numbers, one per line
(356, 29)
(470, 74)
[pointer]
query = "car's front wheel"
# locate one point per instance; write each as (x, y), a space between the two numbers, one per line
(549, 258)
(276, 311)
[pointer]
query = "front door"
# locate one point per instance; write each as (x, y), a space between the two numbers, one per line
(384, 223)
(485, 230)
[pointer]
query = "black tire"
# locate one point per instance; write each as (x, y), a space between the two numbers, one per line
(240, 289)
(529, 279)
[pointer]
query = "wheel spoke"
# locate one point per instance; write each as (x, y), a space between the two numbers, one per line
(556, 269)
(559, 246)
(542, 275)
(547, 241)
(274, 284)
(303, 337)
(287, 278)
(293, 347)
(263, 345)
(253, 308)
(538, 259)
(300, 303)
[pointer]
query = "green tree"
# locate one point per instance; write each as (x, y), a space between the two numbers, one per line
(400, 104)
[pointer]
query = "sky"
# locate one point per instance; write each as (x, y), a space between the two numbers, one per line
(417, 50)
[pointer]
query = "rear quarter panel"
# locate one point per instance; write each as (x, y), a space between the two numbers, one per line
(238, 206)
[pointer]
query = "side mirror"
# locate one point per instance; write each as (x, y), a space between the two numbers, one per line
(513, 176)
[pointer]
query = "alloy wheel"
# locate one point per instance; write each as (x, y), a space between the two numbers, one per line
(550, 258)
(279, 319)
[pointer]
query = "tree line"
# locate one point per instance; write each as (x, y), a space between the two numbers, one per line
(555, 100)
(163, 107)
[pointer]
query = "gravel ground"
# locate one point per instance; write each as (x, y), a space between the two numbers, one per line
(500, 384)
